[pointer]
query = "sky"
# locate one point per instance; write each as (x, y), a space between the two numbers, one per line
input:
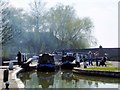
(103, 14)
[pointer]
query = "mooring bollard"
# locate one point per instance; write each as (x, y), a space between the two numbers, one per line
(5, 76)
(7, 85)
(10, 65)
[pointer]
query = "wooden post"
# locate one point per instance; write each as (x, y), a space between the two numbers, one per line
(0, 60)
(0, 55)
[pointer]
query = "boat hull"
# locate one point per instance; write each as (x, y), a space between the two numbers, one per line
(46, 67)
(68, 65)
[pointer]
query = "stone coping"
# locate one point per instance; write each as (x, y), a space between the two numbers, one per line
(97, 73)
(14, 77)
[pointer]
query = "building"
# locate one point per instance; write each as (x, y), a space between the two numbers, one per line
(112, 53)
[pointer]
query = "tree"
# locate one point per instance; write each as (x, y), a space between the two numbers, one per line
(11, 28)
(9, 25)
(5, 34)
(37, 22)
(72, 31)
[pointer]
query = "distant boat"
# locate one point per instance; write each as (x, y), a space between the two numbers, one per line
(46, 63)
(67, 62)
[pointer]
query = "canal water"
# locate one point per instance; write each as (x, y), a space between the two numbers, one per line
(65, 79)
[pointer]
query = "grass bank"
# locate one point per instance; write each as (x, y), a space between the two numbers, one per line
(103, 68)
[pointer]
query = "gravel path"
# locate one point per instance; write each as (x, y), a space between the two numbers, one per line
(115, 63)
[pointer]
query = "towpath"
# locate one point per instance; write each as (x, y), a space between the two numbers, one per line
(12, 82)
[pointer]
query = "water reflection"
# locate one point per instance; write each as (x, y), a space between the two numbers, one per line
(65, 79)
(67, 75)
(45, 79)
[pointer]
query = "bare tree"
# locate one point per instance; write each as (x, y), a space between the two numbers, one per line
(37, 13)
(9, 28)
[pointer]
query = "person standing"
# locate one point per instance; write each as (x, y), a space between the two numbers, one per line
(90, 58)
(105, 59)
(84, 61)
(19, 58)
(77, 60)
(96, 57)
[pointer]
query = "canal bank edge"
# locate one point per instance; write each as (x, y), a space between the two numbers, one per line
(97, 73)
(14, 77)
(75, 70)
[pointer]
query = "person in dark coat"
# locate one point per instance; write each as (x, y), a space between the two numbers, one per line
(103, 61)
(84, 61)
(19, 58)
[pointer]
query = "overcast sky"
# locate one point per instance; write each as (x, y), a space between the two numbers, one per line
(103, 13)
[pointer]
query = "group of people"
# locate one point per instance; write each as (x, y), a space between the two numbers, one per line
(88, 59)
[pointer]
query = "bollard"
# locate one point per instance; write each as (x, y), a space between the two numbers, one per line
(5, 76)
(7, 85)
(10, 65)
